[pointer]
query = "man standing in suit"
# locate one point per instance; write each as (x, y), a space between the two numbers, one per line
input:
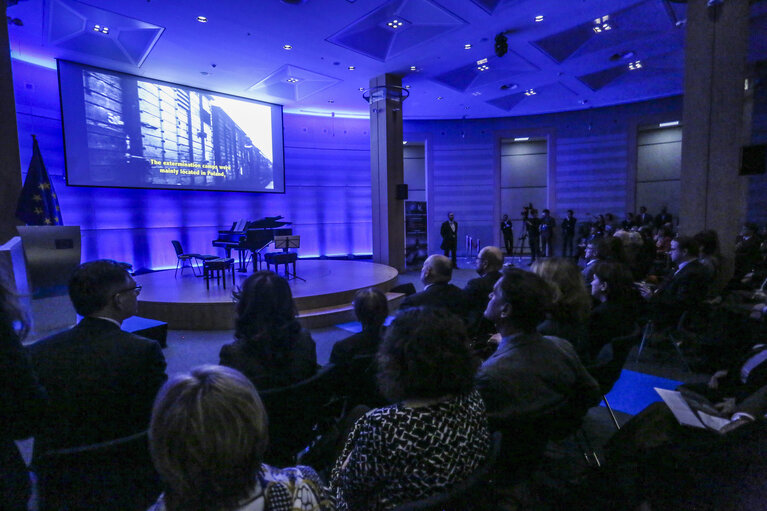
(547, 233)
(686, 288)
(489, 264)
(644, 218)
(438, 292)
(449, 233)
(507, 229)
(533, 225)
(101, 380)
(568, 234)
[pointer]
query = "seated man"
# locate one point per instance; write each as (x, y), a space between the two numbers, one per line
(101, 380)
(438, 292)
(685, 289)
(477, 292)
(355, 355)
(531, 383)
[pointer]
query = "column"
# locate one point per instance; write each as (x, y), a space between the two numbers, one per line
(10, 165)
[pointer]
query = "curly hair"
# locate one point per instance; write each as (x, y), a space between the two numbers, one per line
(572, 302)
(266, 323)
(207, 437)
(425, 354)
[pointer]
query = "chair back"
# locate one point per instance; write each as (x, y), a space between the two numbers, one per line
(468, 494)
(177, 248)
(114, 475)
(358, 382)
(293, 411)
(608, 372)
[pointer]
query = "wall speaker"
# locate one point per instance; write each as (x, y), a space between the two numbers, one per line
(752, 159)
(401, 192)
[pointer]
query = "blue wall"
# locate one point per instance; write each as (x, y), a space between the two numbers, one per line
(327, 195)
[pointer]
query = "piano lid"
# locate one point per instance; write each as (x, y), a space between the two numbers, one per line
(268, 222)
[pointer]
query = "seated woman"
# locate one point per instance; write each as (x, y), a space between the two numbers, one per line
(618, 308)
(434, 436)
(572, 303)
(270, 347)
(207, 436)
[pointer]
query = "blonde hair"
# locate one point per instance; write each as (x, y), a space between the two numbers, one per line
(572, 301)
(207, 437)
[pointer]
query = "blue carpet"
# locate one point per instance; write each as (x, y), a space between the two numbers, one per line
(634, 391)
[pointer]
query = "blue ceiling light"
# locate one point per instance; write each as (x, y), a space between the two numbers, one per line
(637, 64)
(602, 24)
(530, 92)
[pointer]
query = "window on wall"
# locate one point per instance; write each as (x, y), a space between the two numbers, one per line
(524, 177)
(659, 165)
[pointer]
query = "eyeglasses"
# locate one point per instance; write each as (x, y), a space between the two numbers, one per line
(136, 289)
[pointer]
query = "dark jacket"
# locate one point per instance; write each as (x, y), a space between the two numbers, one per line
(101, 381)
(449, 238)
(300, 365)
(443, 294)
(22, 401)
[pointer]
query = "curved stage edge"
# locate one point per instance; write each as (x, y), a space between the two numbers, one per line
(185, 304)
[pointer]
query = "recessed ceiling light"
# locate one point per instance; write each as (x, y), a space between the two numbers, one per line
(637, 64)
(362, 89)
(539, 18)
(101, 28)
(395, 23)
(413, 68)
(476, 93)
(530, 92)
(602, 24)
(292, 80)
(202, 19)
(440, 97)
(483, 67)
(467, 46)
(351, 68)
(287, 47)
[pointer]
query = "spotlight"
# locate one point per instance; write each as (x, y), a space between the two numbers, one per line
(501, 45)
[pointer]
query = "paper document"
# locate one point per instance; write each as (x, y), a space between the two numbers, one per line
(679, 408)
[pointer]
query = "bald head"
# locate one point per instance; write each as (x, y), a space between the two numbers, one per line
(436, 268)
(490, 259)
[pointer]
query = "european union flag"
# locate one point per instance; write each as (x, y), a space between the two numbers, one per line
(38, 204)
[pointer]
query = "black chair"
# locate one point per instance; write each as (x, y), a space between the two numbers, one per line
(607, 372)
(473, 493)
(293, 412)
(117, 475)
(356, 383)
(183, 259)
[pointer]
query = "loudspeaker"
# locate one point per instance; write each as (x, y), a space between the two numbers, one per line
(401, 193)
(752, 159)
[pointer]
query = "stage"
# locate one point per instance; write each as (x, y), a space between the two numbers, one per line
(323, 299)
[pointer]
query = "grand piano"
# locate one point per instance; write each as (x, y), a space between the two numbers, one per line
(248, 239)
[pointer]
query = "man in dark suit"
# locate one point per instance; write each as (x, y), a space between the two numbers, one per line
(449, 233)
(507, 230)
(685, 289)
(533, 226)
(644, 218)
(568, 234)
(101, 380)
(546, 228)
(438, 292)
(477, 291)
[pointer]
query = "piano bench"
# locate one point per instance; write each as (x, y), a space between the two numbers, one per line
(217, 268)
(278, 258)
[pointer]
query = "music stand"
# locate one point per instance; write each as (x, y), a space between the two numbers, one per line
(286, 243)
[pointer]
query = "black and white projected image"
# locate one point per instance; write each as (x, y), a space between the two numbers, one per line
(144, 133)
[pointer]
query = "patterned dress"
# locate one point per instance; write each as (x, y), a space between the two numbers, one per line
(398, 454)
(282, 489)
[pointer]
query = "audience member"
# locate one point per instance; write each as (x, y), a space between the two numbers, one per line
(438, 291)
(546, 227)
(663, 240)
(617, 310)
(663, 218)
(207, 438)
(591, 255)
(571, 304)
(747, 254)
(708, 255)
(568, 234)
(434, 436)
(629, 222)
(683, 290)
(101, 380)
(270, 347)
(22, 401)
(530, 375)
(489, 264)
(371, 309)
